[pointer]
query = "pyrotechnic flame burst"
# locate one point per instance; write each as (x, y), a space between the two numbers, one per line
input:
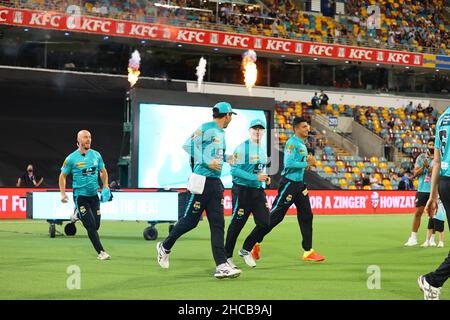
(133, 68)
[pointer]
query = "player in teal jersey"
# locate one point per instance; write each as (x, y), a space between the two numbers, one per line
(292, 189)
(207, 147)
(423, 170)
(248, 194)
(85, 165)
(432, 282)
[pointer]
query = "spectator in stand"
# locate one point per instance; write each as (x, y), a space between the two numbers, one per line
(375, 183)
(365, 180)
(315, 102)
(323, 100)
(327, 150)
(409, 107)
(405, 182)
(29, 179)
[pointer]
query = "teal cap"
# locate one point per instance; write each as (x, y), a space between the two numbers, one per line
(224, 107)
(257, 122)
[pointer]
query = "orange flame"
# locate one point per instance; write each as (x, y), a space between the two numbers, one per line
(133, 68)
(250, 72)
(133, 76)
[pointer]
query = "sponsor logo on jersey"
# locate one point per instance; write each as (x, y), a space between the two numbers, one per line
(80, 164)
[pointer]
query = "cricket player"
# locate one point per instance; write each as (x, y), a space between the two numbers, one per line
(422, 169)
(207, 146)
(292, 189)
(85, 165)
(248, 194)
(432, 282)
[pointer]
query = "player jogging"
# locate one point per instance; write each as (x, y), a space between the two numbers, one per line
(207, 147)
(248, 194)
(85, 164)
(292, 189)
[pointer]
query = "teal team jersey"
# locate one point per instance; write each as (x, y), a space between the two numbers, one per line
(251, 159)
(441, 142)
(295, 153)
(85, 170)
(206, 144)
(425, 176)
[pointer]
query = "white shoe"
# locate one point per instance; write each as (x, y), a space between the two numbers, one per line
(426, 244)
(74, 216)
(433, 244)
(440, 244)
(231, 263)
(411, 242)
(226, 271)
(163, 256)
(248, 258)
(103, 256)
(429, 292)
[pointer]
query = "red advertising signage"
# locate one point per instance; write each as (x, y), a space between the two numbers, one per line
(348, 202)
(13, 202)
(161, 32)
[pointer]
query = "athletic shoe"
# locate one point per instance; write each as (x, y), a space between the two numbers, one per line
(103, 256)
(311, 255)
(429, 292)
(426, 244)
(433, 244)
(440, 244)
(226, 271)
(255, 251)
(74, 216)
(163, 256)
(248, 258)
(411, 242)
(231, 263)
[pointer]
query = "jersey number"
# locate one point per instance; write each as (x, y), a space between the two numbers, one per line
(443, 139)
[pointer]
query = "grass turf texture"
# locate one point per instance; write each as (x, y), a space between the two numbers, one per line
(33, 266)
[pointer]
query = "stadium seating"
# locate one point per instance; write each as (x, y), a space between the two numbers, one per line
(414, 27)
(346, 171)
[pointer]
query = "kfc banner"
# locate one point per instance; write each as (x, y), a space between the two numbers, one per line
(148, 31)
(347, 201)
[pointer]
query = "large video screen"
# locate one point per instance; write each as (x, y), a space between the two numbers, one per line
(163, 129)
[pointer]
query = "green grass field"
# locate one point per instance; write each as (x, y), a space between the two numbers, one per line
(33, 266)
